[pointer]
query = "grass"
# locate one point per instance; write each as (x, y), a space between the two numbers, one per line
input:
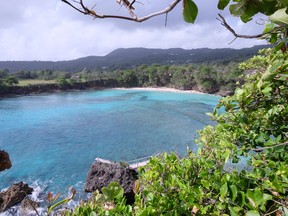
(34, 82)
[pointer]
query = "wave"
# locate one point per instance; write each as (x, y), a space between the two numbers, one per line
(39, 195)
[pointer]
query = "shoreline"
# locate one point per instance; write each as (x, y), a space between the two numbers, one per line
(29, 92)
(161, 89)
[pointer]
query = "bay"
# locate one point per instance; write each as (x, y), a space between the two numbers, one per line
(53, 139)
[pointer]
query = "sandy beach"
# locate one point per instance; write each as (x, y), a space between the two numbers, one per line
(163, 89)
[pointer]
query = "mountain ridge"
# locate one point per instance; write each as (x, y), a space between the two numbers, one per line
(124, 58)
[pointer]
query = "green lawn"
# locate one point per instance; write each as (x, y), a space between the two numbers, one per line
(34, 82)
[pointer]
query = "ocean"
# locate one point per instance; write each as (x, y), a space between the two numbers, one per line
(53, 139)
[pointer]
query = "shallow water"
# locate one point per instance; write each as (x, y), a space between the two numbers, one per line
(53, 139)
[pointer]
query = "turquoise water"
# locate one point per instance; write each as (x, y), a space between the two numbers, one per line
(53, 139)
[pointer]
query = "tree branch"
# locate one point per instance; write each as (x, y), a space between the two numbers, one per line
(227, 26)
(129, 6)
(71, 5)
(269, 147)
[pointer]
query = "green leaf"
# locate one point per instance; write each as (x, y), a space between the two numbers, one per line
(238, 9)
(269, 27)
(93, 214)
(285, 211)
(222, 4)
(273, 38)
(252, 213)
(210, 115)
(205, 183)
(190, 11)
(280, 17)
(242, 198)
(266, 197)
(143, 213)
(223, 189)
(250, 11)
(267, 90)
(234, 192)
(226, 155)
(113, 191)
(215, 112)
(255, 197)
(233, 212)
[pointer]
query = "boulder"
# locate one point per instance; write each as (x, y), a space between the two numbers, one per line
(14, 195)
(5, 162)
(103, 172)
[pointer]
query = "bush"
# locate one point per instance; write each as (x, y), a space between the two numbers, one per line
(254, 126)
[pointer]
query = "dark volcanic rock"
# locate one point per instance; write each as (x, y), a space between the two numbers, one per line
(102, 173)
(5, 162)
(14, 195)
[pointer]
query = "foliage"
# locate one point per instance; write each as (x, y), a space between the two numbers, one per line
(210, 78)
(11, 80)
(127, 78)
(6, 80)
(4, 73)
(42, 74)
(275, 28)
(64, 83)
(205, 77)
(109, 202)
(255, 125)
(253, 128)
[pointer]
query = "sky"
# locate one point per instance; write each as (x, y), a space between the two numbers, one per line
(50, 30)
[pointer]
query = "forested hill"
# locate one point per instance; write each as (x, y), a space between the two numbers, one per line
(127, 58)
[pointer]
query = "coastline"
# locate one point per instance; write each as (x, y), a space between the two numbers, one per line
(16, 91)
(162, 89)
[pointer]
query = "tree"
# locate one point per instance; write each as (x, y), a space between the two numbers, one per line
(86, 74)
(11, 80)
(63, 83)
(128, 78)
(4, 73)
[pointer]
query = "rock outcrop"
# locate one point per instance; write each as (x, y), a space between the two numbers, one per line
(103, 172)
(14, 195)
(5, 162)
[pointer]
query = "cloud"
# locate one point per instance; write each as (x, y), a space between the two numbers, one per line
(50, 30)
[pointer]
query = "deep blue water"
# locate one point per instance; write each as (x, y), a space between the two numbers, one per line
(53, 139)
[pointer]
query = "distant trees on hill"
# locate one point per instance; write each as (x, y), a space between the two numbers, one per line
(210, 78)
(203, 77)
(42, 74)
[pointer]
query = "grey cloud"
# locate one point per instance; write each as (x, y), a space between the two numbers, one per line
(50, 30)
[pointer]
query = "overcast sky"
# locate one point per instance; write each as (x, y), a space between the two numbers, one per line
(51, 30)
